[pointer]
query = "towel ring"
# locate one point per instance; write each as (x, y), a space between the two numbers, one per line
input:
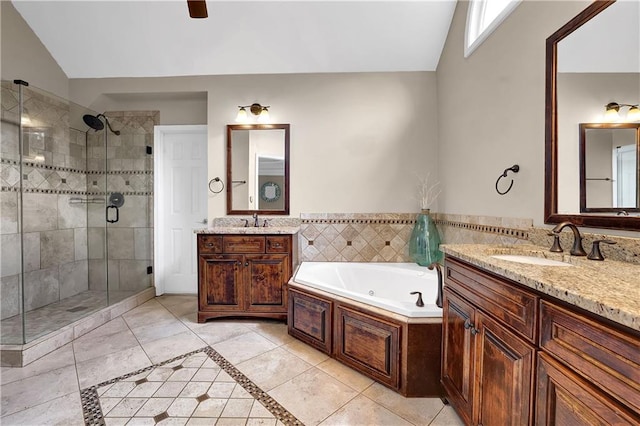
(515, 169)
(216, 179)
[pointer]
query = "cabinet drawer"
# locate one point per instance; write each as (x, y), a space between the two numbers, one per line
(511, 305)
(244, 244)
(278, 244)
(209, 244)
(607, 357)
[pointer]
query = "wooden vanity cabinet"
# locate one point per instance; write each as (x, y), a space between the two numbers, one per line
(588, 371)
(488, 351)
(512, 356)
(243, 275)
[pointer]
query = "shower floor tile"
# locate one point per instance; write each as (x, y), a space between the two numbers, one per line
(54, 316)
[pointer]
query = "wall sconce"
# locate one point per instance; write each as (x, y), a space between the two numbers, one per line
(612, 114)
(262, 112)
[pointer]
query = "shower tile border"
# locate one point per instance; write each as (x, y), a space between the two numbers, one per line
(22, 355)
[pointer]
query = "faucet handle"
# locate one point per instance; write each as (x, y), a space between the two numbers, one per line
(265, 223)
(596, 254)
(556, 247)
(246, 223)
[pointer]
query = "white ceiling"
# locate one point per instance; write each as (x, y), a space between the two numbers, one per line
(144, 38)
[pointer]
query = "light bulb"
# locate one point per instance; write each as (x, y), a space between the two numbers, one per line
(242, 116)
(633, 114)
(611, 114)
(264, 116)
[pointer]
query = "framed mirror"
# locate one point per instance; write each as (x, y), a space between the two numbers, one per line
(258, 169)
(609, 167)
(585, 70)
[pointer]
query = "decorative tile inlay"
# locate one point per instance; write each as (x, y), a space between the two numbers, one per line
(516, 233)
(92, 406)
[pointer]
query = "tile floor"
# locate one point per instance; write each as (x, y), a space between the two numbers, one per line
(156, 364)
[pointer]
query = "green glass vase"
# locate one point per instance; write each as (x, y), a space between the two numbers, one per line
(424, 245)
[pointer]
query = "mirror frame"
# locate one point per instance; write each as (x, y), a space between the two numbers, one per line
(551, 215)
(230, 129)
(583, 165)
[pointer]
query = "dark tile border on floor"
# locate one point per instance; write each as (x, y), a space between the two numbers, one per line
(92, 410)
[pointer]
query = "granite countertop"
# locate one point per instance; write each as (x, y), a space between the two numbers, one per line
(249, 230)
(610, 289)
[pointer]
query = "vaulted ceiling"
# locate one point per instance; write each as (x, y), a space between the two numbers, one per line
(144, 38)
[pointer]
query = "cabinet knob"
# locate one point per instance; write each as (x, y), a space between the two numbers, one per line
(246, 263)
(467, 324)
(208, 245)
(474, 331)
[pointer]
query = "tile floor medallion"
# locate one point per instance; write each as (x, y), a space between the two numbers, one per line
(198, 385)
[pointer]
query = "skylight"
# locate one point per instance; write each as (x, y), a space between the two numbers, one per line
(483, 17)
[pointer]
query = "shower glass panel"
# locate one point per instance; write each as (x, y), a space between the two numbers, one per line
(61, 259)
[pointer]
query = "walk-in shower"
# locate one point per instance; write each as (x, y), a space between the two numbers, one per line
(63, 254)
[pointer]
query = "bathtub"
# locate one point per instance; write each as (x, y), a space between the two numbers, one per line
(383, 285)
(363, 315)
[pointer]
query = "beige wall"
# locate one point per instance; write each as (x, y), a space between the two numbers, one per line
(591, 92)
(357, 140)
(24, 56)
(492, 112)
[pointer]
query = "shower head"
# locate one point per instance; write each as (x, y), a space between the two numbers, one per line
(92, 121)
(96, 124)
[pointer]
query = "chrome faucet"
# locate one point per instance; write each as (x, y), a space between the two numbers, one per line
(577, 249)
(255, 220)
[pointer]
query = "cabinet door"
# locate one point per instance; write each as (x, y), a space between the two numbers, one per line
(457, 354)
(310, 319)
(566, 399)
(368, 344)
(220, 280)
(504, 375)
(266, 276)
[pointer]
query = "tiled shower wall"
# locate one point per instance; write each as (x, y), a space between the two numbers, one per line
(55, 249)
(130, 172)
(64, 250)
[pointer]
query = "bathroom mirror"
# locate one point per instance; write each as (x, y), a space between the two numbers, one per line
(609, 167)
(258, 169)
(599, 80)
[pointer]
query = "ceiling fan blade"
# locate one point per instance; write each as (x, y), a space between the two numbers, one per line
(197, 8)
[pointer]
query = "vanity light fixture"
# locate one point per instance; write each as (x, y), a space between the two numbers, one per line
(612, 113)
(261, 112)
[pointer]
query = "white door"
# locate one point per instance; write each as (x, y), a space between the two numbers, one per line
(180, 204)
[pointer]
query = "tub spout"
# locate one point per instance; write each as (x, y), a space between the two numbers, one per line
(439, 272)
(419, 302)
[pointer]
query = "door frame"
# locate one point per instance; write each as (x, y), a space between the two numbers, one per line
(159, 133)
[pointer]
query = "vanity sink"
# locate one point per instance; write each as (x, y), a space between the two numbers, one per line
(530, 260)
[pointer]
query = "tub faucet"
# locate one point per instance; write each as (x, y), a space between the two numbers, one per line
(255, 220)
(419, 302)
(439, 271)
(577, 249)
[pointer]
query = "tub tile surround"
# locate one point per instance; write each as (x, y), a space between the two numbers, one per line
(384, 237)
(131, 386)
